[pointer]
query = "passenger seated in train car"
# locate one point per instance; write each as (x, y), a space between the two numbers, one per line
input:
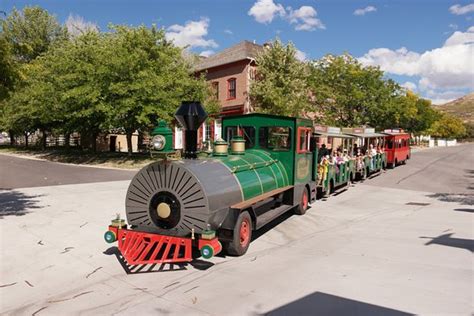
(345, 156)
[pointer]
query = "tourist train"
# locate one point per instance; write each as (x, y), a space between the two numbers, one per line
(263, 165)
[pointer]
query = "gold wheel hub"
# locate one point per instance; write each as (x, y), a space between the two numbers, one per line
(163, 209)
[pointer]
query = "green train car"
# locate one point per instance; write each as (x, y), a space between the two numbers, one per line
(263, 166)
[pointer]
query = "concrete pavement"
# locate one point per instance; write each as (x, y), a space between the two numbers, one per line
(374, 249)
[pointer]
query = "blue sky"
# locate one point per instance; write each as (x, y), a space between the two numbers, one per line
(425, 45)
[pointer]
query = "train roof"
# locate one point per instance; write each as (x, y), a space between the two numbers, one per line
(396, 133)
(366, 135)
(340, 135)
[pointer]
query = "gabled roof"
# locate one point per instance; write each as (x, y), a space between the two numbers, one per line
(241, 51)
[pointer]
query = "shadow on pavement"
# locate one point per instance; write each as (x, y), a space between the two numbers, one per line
(319, 303)
(467, 210)
(447, 240)
(150, 268)
(463, 199)
(16, 203)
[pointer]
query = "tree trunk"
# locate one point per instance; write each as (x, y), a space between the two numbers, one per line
(26, 138)
(67, 139)
(43, 139)
(129, 142)
(12, 137)
(94, 141)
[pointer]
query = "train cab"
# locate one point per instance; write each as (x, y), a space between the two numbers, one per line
(397, 146)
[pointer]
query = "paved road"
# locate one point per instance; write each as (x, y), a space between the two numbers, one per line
(18, 172)
(383, 247)
(441, 170)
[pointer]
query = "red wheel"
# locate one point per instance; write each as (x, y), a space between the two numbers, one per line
(242, 235)
(244, 232)
(303, 206)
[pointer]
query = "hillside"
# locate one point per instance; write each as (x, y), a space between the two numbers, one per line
(462, 108)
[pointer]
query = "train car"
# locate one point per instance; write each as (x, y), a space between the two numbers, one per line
(397, 146)
(333, 144)
(210, 203)
(369, 151)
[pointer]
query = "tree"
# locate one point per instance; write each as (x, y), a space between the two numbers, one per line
(280, 84)
(448, 126)
(144, 77)
(31, 32)
(8, 69)
(345, 93)
(25, 35)
(416, 114)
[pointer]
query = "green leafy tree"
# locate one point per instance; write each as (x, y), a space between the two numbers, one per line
(25, 35)
(31, 32)
(345, 93)
(144, 77)
(448, 126)
(280, 84)
(416, 114)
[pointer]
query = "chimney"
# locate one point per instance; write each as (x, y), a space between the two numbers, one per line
(190, 115)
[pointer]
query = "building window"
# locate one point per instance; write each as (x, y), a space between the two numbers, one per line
(231, 88)
(215, 89)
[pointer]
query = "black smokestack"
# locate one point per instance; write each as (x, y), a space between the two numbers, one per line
(190, 115)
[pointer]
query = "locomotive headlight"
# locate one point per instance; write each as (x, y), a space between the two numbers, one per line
(158, 142)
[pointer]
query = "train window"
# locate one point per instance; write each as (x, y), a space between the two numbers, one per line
(304, 134)
(248, 132)
(275, 138)
(390, 143)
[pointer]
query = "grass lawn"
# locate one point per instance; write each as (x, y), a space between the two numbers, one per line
(76, 156)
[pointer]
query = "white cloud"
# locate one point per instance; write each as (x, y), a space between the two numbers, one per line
(461, 37)
(365, 10)
(227, 31)
(409, 85)
(207, 53)
(76, 25)
(191, 34)
(459, 10)
(448, 67)
(265, 10)
(441, 97)
(305, 19)
(301, 56)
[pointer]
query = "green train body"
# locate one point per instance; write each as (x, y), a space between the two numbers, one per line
(264, 166)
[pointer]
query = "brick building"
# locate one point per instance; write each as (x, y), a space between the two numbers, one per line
(229, 72)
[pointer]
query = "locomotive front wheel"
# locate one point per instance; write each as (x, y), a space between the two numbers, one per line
(242, 235)
(303, 206)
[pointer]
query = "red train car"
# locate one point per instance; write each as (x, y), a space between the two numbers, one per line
(397, 146)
